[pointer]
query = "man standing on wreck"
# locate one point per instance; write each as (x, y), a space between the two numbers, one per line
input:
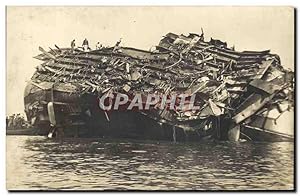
(73, 45)
(85, 45)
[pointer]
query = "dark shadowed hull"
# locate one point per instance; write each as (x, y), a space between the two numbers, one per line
(80, 116)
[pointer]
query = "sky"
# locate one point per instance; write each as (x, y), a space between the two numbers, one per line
(27, 28)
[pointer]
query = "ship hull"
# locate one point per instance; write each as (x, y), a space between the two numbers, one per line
(264, 135)
(270, 126)
(80, 116)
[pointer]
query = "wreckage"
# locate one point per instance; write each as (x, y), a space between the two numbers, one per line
(235, 91)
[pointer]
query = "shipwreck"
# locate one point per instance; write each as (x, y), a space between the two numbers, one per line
(237, 93)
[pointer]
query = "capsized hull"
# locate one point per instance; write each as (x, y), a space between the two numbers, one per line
(228, 87)
(80, 116)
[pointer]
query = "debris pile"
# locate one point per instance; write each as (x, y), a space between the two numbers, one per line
(226, 82)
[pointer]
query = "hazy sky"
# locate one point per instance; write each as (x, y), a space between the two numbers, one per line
(248, 28)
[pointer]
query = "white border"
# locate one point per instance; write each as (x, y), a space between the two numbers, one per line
(154, 2)
(294, 3)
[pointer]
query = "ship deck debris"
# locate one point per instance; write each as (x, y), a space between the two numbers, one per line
(228, 84)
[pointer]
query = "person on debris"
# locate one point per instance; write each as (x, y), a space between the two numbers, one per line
(117, 46)
(98, 46)
(118, 43)
(73, 44)
(202, 35)
(233, 48)
(85, 45)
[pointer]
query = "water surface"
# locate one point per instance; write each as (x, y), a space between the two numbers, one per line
(35, 163)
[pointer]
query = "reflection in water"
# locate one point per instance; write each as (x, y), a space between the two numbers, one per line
(40, 163)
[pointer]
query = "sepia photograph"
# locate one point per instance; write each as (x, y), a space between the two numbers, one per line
(150, 98)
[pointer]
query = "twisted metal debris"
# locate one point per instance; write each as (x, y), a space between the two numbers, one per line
(227, 83)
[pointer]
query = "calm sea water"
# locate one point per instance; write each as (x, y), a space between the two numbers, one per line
(98, 164)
